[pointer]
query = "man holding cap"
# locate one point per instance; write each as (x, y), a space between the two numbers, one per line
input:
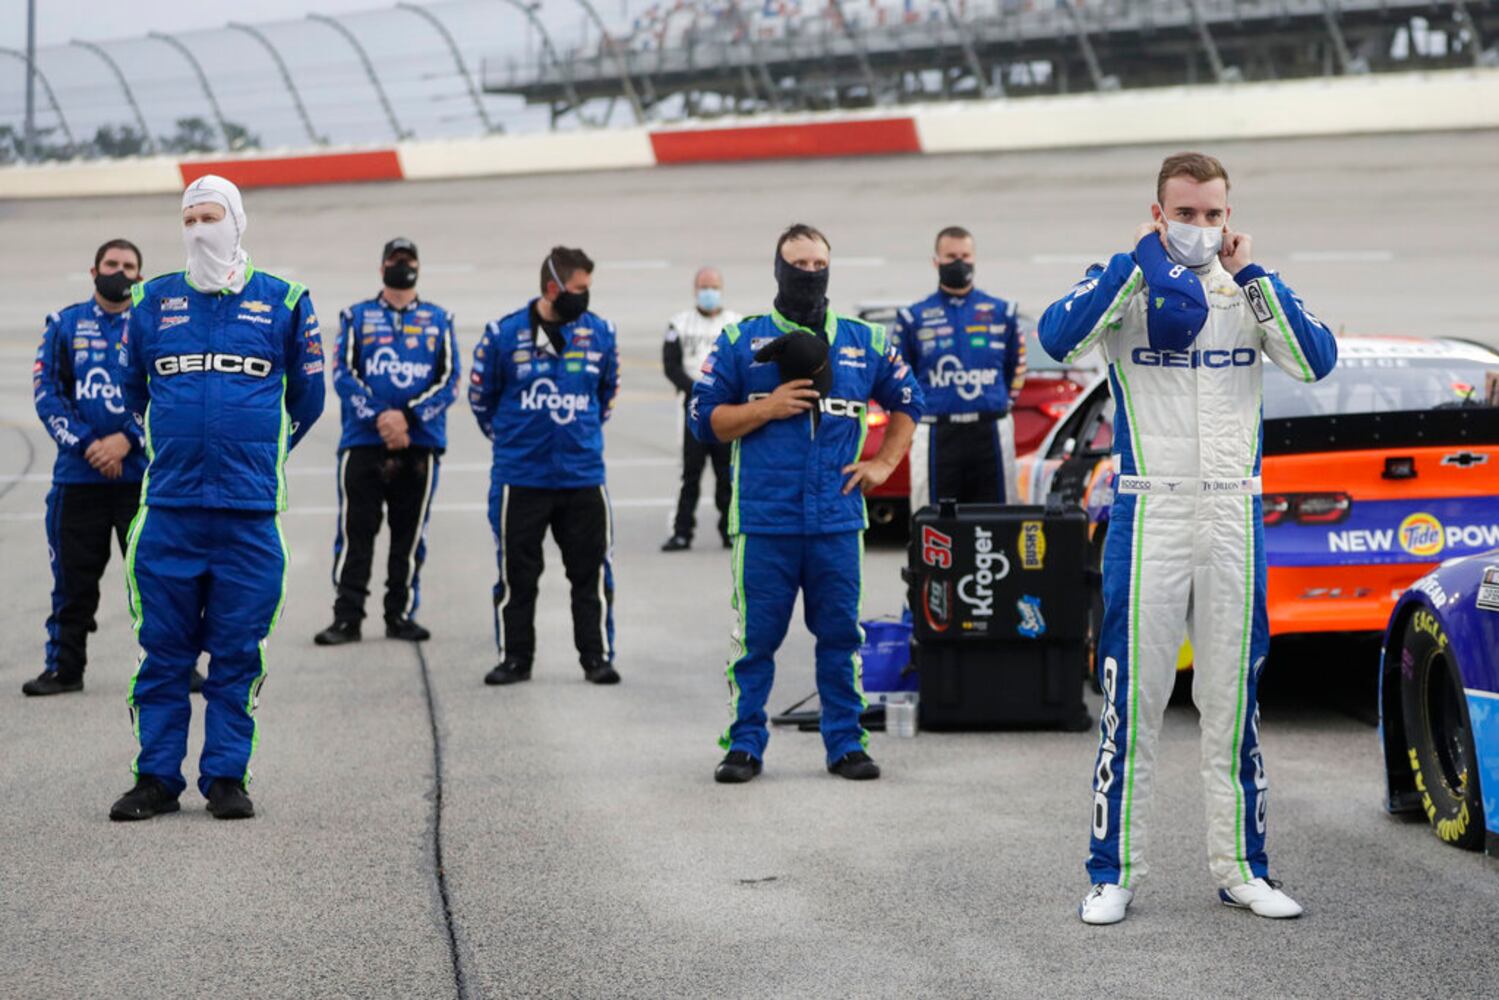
(226, 374)
(790, 390)
(396, 373)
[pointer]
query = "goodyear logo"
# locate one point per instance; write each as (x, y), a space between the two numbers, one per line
(1421, 535)
(256, 306)
(1032, 544)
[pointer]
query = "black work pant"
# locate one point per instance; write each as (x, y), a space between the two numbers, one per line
(81, 518)
(582, 527)
(371, 482)
(695, 456)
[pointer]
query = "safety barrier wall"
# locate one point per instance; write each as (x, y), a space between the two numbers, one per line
(1454, 99)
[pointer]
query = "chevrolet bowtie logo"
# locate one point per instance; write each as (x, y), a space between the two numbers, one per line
(1464, 459)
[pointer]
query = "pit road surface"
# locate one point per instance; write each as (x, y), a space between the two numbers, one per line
(586, 851)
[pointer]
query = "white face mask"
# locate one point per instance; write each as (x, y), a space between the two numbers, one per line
(214, 259)
(1191, 245)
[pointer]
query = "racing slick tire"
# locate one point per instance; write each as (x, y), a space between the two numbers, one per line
(1439, 739)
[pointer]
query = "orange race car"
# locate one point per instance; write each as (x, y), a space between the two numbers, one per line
(1372, 477)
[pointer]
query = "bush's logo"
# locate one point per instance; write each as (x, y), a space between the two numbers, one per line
(1032, 545)
(1421, 535)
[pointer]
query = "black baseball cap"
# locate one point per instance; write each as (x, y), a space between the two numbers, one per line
(399, 245)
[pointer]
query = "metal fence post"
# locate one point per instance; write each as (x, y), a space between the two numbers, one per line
(213, 102)
(447, 36)
(62, 122)
(369, 70)
(291, 88)
(140, 119)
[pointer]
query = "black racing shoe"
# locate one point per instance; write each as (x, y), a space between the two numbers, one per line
(406, 630)
(600, 672)
(728, 542)
(737, 767)
(227, 799)
(51, 682)
(148, 798)
(509, 672)
(856, 765)
(338, 633)
(676, 543)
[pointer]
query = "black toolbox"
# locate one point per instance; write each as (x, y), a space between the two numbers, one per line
(999, 598)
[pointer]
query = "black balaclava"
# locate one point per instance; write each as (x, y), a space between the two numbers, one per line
(801, 296)
(799, 354)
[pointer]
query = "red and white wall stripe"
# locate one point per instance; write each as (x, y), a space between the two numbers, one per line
(1425, 102)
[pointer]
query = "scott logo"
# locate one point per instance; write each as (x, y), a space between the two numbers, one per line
(98, 385)
(227, 364)
(949, 373)
(1239, 357)
(402, 374)
(562, 407)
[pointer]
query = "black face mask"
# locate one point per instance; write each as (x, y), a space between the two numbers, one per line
(801, 296)
(955, 274)
(113, 287)
(799, 354)
(400, 275)
(570, 305)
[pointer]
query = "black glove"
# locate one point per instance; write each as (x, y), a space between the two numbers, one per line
(801, 355)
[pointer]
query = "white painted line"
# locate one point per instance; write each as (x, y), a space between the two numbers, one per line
(1067, 258)
(860, 261)
(449, 268)
(1342, 256)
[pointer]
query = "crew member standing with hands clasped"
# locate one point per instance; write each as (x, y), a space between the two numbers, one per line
(1182, 321)
(96, 481)
(790, 390)
(396, 372)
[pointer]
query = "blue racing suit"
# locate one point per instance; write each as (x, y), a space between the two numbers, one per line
(1185, 545)
(544, 407)
(396, 359)
(77, 389)
(969, 357)
(225, 385)
(793, 527)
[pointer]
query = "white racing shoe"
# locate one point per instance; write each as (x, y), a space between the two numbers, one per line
(1105, 903)
(1263, 898)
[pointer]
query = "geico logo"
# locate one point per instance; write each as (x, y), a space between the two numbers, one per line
(976, 589)
(402, 374)
(1103, 774)
(949, 373)
(562, 407)
(98, 385)
(228, 364)
(832, 407)
(1239, 357)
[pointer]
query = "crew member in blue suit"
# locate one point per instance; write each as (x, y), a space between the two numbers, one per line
(226, 376)
(969, 356)
(542, 385)
(1183, 322)
(790, 389)
(96, 479)
(396, 371)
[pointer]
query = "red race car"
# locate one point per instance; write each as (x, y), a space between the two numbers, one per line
(1048, 393)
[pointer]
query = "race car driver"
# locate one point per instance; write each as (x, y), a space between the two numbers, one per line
(690, 335)
(542, 385)
(96, 479)
(969, 356)
(1182, 322)
(789, 389)
(396, 372)
(226, 375)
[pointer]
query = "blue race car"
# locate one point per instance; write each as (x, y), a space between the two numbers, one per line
(1439, 702)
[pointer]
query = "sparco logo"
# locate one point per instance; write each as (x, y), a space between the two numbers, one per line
(949, 373)
(561, 406)
(229, 364)
(976, 589)
(402, 374)
(98, 385)
(1103, 774)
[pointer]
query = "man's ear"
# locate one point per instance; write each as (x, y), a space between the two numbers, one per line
(1156, 213)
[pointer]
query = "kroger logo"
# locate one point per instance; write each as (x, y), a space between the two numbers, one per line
(402, 374)
(99, 386)
(1241, 357)
(949, 373)
(563, 407)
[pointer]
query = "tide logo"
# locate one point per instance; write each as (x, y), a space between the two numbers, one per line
(1422, 535)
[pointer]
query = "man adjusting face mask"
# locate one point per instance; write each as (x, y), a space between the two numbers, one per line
(215, 259)
(1193, 246)
(568, 305)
